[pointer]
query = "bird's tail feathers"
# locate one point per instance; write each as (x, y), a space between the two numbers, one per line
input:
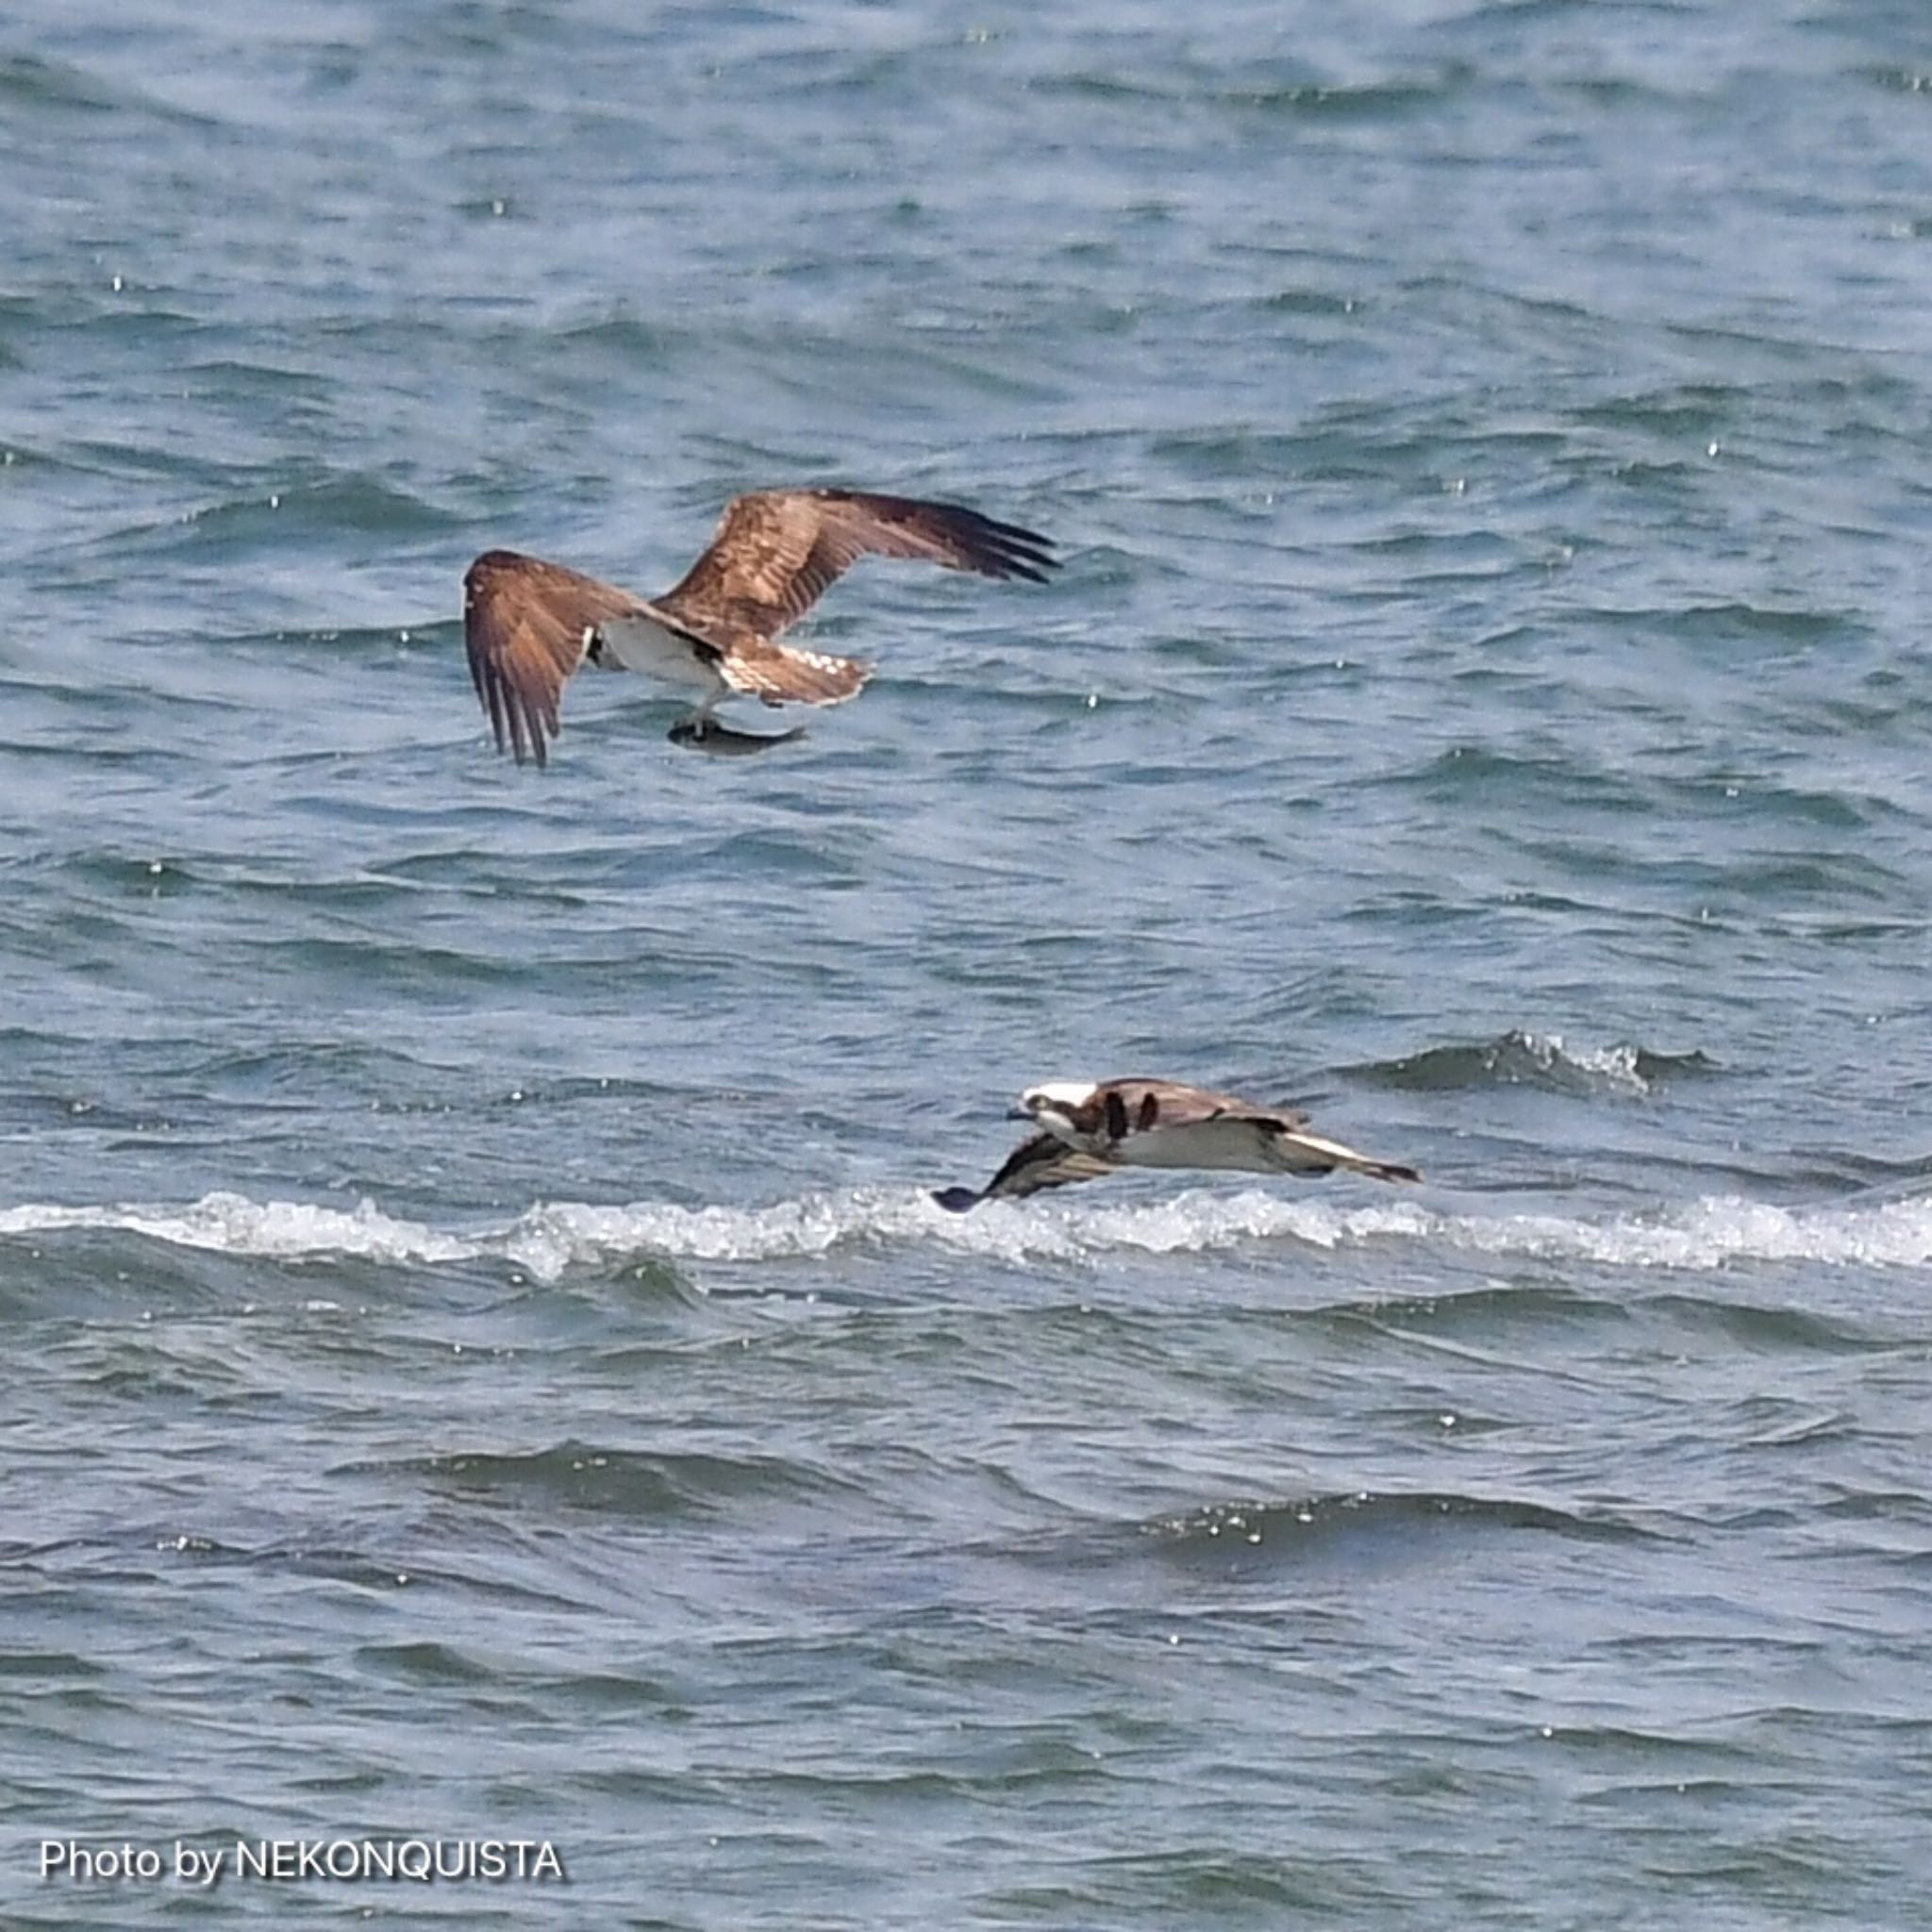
(784, 674)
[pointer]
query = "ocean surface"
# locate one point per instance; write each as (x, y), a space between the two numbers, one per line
(477, 1358)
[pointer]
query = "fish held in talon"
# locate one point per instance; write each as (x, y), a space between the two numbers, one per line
(529, 626)
(1089, 1128)
(721, 742)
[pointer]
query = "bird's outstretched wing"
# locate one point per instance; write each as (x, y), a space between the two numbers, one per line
(1272, 1138)
(526, 625)
(1044, 1162)
(778, 551)
(1298, 1151)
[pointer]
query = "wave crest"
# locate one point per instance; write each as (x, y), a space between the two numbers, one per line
(1519, 1059)
(552, 1239)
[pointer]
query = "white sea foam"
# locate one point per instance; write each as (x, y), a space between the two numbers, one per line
(552, 1238)
(232, 1223)
(1708, 1233)
(1616, 1067)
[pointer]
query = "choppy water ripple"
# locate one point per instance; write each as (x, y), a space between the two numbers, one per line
(480, 1352)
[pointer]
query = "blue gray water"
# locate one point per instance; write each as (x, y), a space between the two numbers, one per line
(478, 1358)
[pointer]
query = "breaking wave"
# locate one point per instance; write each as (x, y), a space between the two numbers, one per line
(552, 1238)
(1518, 1058)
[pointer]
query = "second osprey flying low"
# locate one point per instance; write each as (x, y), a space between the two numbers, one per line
(1089, 1128)
(528, 625)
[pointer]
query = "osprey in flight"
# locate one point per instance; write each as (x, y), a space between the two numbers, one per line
(1092, 1129)
(528, 625)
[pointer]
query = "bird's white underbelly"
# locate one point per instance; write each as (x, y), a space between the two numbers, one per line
(637, 644)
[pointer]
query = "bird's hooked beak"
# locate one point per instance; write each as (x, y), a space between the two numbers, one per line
(1022, 1112)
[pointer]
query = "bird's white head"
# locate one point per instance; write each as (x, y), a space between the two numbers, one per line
(1054, 1103)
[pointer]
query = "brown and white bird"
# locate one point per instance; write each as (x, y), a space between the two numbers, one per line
(528, 625)
(1091, 1129)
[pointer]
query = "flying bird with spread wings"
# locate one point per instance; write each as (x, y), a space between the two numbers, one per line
(528, 625)
(1091, 1129)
